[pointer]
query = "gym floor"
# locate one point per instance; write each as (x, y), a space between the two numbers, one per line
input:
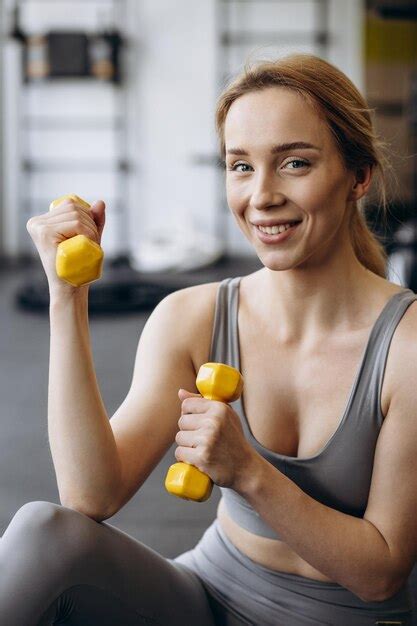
(167, 524)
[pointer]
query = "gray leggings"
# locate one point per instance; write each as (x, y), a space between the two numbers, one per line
(58, 566)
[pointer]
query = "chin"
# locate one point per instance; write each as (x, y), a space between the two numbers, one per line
(275, 264)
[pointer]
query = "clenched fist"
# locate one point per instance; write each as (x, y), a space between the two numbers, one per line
(66, 220)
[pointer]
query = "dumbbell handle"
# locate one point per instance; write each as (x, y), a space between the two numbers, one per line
(215, 381)
(79, 260)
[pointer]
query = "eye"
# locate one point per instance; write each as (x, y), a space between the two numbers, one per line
(233, 168)
(297, 164)
(298, 161)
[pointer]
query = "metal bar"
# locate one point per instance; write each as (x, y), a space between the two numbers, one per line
(322, 12)
(68, 124)
(210, 160)
(37, 165)
(248, 38)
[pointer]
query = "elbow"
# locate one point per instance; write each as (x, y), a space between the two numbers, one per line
(98, 514)
(384, 590)
(98, 509)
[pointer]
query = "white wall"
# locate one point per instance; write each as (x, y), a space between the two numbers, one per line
(171, 92)
(176, 93)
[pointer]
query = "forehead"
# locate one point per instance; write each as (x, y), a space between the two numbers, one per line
(271, 115)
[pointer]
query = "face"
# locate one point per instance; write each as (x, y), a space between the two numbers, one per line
(282, 166)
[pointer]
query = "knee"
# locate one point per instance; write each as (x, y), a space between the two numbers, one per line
(53, 537)
(38, 515)
(47, 540)
(50, 524)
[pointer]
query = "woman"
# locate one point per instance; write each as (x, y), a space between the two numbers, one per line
(317, 460)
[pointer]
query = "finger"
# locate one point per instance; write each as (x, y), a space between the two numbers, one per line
(58, 207)
(72, 216)
(186, 438)
(183, 394)
(71, 228)
(190, 421)
(187, 455)
(75, 216)
(68, 205)
(98, 209)
(98, 213)
(195, 405)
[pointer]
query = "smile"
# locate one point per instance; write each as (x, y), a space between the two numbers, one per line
(276, 234)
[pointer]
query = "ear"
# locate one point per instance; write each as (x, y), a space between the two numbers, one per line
(361, 183)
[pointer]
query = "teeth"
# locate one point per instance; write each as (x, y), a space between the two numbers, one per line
(274, 230)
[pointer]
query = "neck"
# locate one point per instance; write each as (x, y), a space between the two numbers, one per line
(311, 301)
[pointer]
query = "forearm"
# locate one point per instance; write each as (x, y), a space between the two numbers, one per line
(82, 443)
(348, 550)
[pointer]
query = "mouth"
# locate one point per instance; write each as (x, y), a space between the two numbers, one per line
(271, 235)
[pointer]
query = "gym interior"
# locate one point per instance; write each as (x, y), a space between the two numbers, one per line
(115, 100)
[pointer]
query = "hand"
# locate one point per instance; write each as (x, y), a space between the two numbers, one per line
(64, 221)
(212, 439)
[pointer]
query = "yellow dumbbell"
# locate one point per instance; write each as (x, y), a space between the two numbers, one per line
(79, 260)
(215, 381)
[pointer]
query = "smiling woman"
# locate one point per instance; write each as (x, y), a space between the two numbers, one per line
(317, 459)
(308, 528)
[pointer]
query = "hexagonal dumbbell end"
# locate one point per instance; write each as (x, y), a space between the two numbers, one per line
(188, 482)
(79, 260)
(215, 381)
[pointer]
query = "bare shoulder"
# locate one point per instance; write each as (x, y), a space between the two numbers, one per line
(405, 332)
(196, 308)
(405, 335)
(195, 293)
(401, 366)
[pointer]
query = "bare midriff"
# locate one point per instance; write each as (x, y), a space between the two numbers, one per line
(271, 553)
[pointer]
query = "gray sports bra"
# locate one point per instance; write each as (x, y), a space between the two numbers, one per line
(339, 475)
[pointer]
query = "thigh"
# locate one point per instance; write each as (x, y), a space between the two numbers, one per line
(223, 612)
(85, 605)
(52, 557)
(88, 605)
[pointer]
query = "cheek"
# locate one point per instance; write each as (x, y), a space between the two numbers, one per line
(234, 199)
(323, 200)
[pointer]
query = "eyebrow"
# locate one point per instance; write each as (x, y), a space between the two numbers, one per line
(281, 147)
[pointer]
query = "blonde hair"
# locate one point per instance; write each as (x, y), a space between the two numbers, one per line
(348, 117)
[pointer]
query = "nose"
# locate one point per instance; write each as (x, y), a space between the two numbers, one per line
(265, 194)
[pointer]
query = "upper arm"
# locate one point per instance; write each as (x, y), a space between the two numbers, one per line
(145, 424)
(392, 503)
